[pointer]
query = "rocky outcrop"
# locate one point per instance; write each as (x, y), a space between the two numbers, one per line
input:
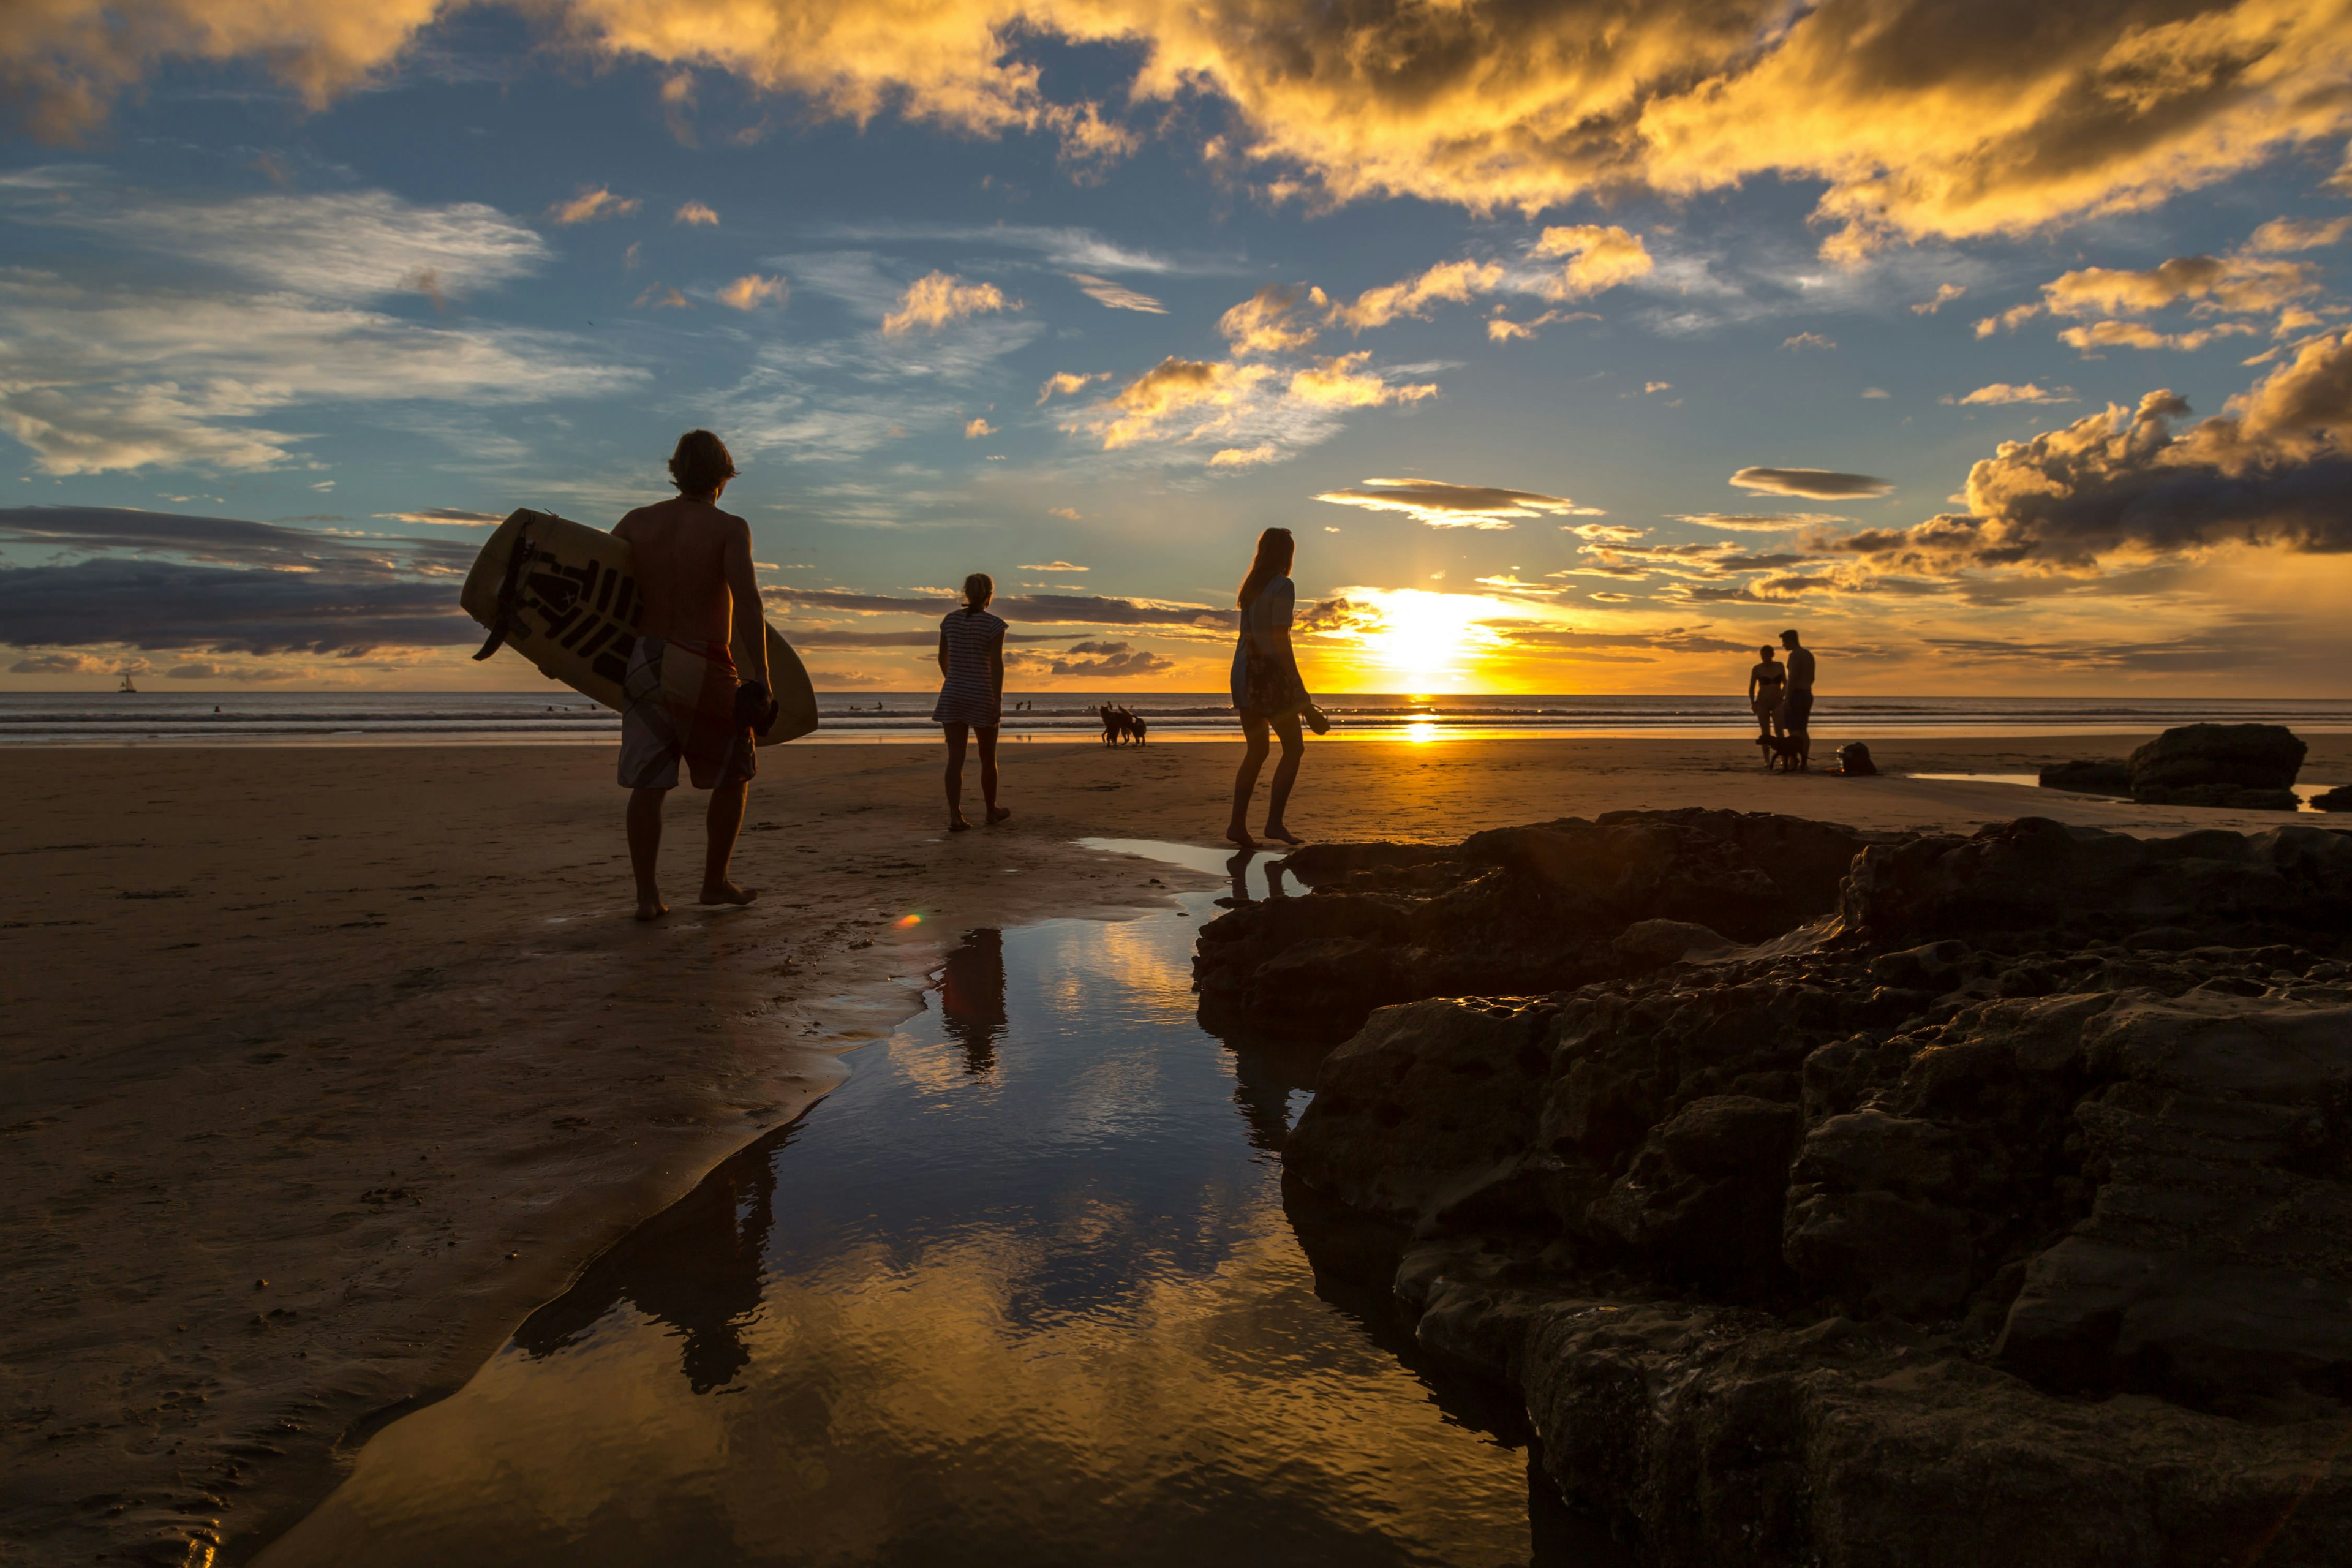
(1512, 912)
(2008, 1218)
(2248, 767)
(2337, 799)
(2105, 777)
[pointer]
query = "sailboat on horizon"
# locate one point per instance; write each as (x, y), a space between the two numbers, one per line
(126, 685)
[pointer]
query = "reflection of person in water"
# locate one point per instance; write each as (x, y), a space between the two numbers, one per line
(698, 1265)
(971, 998)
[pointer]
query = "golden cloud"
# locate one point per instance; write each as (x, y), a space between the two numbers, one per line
(973, 432)
(2236, 283)
(2140, 335)
(939, 298)
(1068, 384)
(752, 290)
(1271, 321)
(1921, 119)
(2025, 391)
(660, 296)
(693, 212)
(1244, 457)
(1600, 258)
(1457, 281)
(1343, 383)
(591, 206)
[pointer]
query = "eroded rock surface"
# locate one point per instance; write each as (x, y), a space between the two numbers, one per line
(2248, 767)
(2007, 1216)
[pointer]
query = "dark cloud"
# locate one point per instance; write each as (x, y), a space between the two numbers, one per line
(822, 636)
(172, 604)
(2274, 469)
(1107, 660)
(1050, 609)
(224, 541)
(1443, 505)
(1531, 634)
(1817, 484)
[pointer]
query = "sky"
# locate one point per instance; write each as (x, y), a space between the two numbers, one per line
(2000, 347)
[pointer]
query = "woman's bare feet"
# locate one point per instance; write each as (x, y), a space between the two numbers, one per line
(998, 813)
(728, 893)
(956, 824)
(1275, 830)
(1239, 832)
(651, 909)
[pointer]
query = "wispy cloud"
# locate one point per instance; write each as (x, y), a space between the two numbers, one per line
(1443, 505)
(591, 206)
(1115, 296)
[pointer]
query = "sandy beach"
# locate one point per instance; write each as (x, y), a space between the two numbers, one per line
(324, 1066)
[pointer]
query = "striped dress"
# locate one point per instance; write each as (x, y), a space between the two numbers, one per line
(969, 694)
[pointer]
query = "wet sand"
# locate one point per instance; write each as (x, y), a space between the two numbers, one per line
(324, 1066)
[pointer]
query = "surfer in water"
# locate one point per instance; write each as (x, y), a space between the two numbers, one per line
(700, 598)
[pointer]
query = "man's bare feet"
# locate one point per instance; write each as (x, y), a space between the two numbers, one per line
(651, 909)
(956, 824)
(998, 813)
(1240, 834)
(729, 893)
(1276, 831)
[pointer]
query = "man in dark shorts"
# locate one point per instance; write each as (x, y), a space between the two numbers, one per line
(701, 623)
(1797, 702)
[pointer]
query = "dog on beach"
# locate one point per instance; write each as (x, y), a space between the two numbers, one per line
(1787, 753)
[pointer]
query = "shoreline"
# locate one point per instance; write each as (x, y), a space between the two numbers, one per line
(375, 1074)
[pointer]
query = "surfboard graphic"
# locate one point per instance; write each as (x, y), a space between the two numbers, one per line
(563, 596)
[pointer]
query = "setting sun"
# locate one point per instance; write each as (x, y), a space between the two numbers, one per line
(1433, 639)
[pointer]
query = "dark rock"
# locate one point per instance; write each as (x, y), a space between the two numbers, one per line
(2101, 778)
(1702, 1200)
(1663, 942)
(2246, 756)
(2037, 874)
(1317, 864)
(2337, 799)
(1427, 1103)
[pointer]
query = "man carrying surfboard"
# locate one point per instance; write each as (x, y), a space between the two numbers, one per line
(700, 623)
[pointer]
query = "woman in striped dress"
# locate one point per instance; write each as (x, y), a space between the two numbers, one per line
(971, 694)
(1267, 691)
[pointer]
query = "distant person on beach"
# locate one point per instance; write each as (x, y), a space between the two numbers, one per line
(700, 596)
(971, 694)
(1797, 705)
(1764, 687)
(1267, 691)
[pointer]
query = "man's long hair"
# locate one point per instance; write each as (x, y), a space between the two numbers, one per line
(701, 463)
(1275, 550)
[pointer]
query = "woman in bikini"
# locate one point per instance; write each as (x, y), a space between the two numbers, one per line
(971, 694)
(1764, 687)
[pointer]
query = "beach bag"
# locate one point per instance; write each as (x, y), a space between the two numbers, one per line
(1854, 761)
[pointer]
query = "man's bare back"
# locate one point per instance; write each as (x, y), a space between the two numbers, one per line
(694, 569)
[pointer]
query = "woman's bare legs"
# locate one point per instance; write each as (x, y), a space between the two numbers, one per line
(1253, 749)
(956, 824)
(987, 736)
(1285, 774)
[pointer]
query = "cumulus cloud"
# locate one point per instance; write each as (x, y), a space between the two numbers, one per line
(1598, 257)
(1457, 281)
(2024, 392)
(1068, 384)
(2273, 470)
(1115, 296)
(66, 664)
(939, 299)
(1945, 294)
(2235, 283)
(1181, 402)
(1443, 505)
(1274, 319)
(2140, 335)
(977, 428)
(591, 206)
(695, 212)
(753, 290)
(2299, 234)
(1818, 484)
(1918, 121)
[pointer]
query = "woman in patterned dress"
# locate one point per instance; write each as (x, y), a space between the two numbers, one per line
(1267, 689)
(971, 694)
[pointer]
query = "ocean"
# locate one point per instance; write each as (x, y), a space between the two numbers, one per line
(559, 716)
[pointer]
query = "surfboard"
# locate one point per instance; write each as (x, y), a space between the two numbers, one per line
(564, 596)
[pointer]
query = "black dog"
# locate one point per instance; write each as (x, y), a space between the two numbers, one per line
(1787, 753)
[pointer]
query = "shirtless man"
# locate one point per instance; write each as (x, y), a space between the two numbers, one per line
(695, 582)
(1797, 704)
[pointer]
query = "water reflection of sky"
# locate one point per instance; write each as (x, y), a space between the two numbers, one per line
(1025, 1291)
